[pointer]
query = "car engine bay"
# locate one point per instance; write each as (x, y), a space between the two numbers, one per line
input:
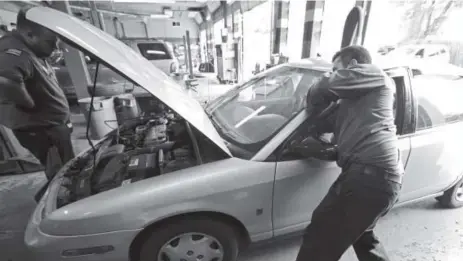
(141, 148)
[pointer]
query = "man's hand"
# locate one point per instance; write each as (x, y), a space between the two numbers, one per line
(311, 148)
(16, 93)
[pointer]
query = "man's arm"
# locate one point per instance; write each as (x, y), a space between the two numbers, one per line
(15, 93)
(318, 98)
(348, 83)
(356, 81)
(326, 125)
(15, 69)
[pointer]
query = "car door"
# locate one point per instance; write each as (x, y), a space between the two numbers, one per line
(435, 161)
(301, 183)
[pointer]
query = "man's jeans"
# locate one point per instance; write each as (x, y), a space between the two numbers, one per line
(347, 216)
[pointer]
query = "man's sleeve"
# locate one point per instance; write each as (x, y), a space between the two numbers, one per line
(15, 68)
(327, 124)
(318, 97)
(353, 83)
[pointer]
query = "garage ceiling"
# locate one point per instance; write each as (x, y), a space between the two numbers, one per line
(142, 8)
(131, 8)
(15, 6)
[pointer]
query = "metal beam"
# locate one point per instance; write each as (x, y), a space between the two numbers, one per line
(97, 17)
(74, 59)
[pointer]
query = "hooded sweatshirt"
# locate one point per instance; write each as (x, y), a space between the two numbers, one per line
(363, 126)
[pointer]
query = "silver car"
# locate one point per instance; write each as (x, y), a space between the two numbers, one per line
(187, 183)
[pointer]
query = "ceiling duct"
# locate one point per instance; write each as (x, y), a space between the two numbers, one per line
(213, 5)
(167, 12)
(202, 11)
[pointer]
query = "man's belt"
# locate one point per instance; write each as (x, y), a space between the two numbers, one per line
(376, 171)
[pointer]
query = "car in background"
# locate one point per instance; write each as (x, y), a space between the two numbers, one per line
(437, 53)
(109, 83)
(193, 183)
(383, 50)
(158, 52)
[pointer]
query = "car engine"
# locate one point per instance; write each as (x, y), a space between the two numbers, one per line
(139, 149)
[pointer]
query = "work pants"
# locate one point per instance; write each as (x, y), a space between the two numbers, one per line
(347, 216)
(52, 146)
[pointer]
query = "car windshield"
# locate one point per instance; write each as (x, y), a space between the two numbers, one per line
(253, 112)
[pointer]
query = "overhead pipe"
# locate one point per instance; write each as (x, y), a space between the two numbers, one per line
(97, 18)
(190, 63)
(123, 30)
(145, 26)
(116, 27)
(119, 13)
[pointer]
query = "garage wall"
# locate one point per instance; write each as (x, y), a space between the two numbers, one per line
(334, 17)
(297, 14)
(160, 28)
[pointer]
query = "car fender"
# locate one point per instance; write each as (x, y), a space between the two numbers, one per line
(239, 188)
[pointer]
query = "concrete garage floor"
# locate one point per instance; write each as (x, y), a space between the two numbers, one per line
(417, 232)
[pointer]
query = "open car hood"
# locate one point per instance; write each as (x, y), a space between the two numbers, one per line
(122, 59)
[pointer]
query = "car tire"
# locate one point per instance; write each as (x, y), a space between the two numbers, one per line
(215, 234)
(453, 197)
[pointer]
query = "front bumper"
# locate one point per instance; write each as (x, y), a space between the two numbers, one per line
(43, 247)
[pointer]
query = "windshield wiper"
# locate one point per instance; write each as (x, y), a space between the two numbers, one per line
(220, 128)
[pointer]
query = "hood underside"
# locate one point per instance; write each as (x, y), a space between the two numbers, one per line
(120, 57)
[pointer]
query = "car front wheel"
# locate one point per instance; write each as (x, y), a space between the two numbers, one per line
(453, 197)
(191, 239)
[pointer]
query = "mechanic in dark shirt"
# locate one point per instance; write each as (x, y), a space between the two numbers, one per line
(32, 103)
(367, 152)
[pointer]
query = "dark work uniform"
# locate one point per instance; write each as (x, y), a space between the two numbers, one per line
(368, 154)
(47, 125)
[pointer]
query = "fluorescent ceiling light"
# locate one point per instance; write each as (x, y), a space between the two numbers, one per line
(192, 14)
(168, 12)
(157, 16)
(147, 1)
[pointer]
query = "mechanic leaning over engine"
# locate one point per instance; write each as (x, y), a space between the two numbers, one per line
(367, 152)
(32, 103)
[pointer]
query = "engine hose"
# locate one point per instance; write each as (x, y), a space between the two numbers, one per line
(164, 146)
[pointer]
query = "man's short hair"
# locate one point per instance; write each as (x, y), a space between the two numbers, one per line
(357, 52)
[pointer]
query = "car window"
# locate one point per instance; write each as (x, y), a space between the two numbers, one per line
(154, 51)
(439, 100)
(255, 111)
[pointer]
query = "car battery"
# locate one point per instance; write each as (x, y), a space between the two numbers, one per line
(141, 167)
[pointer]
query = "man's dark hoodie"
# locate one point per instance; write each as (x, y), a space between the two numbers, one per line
(363, 125)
